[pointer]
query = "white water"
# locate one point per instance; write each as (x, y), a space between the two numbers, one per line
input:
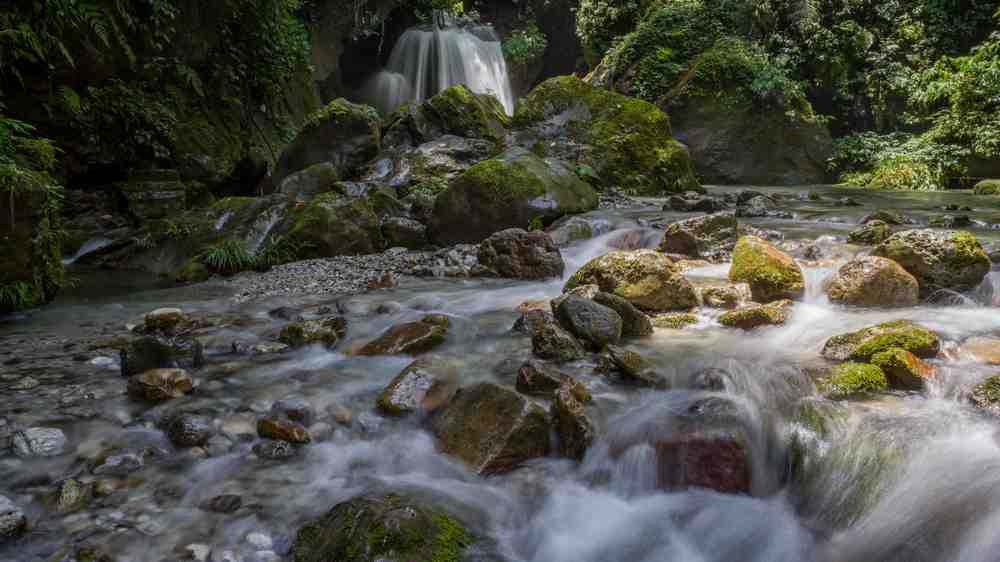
(88, 247)
(427, 60)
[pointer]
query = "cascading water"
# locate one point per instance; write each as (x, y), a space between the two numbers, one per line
(429, 59)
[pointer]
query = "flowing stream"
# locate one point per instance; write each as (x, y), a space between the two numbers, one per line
(429, 59)
(909, 477)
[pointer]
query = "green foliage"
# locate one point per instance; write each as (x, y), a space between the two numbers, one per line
(896, 161)
(535, 224)
(17, 296)
(277, 251)
(525, 45)
(431, 186)
(25, 160)
(228, 257)
(600, 22)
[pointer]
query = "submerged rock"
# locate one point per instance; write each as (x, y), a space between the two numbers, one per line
(589, 321)
(863, 344)
(985, 349)
(384, 528)
(903, 369)
(873, 281)
(13, 521)
(324, 332)
(189, 430)
(517, 254)
(423, 386)
(634, 368)
(411, 338)
(159, 385)
(757, 315)
(939, 260)
(574, 429)
(154, 352)
(492, 429)
(771, 273)
(887, 216)
(694, 202)
(512, 190)
(710, 237)
(645, 278)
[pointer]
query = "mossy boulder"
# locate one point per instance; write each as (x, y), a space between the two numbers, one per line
(631, 143)
(903, 369)
(849, 380)
(410, 338)
(314, 180)
(675, 320)
(710, 237)
(986, 395)
(757, 315)
(332, 224)
(388, 528)
(952, 259)
(513, 190)
(987, 187)
(423, 386)
(770, 273)
(645, 278)
(456, 110)
(345, 134)
(517, 254)
(871, 233)
(863, 344)
(873, 281)
(492, 429)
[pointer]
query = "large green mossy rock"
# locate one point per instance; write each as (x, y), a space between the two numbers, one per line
(987, 187)
(852, 380)
(332, 224)
(381, 528)
(951, 259)
(645, 278)
(455, 111)
(771, 273)
(513, 190)
(31, 268)
(865, 343)
(631, 143)
(343, 133)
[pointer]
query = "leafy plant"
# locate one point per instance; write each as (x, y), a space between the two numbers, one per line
(228, 257)
(525, 45)
(277, 251)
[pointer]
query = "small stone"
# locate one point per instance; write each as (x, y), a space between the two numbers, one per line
(341, 414)
(275, 450)
(226, 503)
(159, 385)
(39, 442)
(273, 427)
(121, 464)
(196, 552)
(164, 319)
(13, 522)
(189, 430)
(295, 409)
(72, 496)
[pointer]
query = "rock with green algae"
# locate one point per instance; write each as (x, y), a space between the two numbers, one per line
(645, 278)
(423, 386)
(871, 233)
(332, 224)
(873, 281)
(491, 428)
(904, 370)
(631, 143)
(770, 273)
(986, 395)
(865, 343)
(675, 320)
(323, 332)
(345, 134)
(757, 315)
(849, 380)
(951, 259)
(454, 111)
(410, 338)
(389, 528)
(512, 190)
(987, 187)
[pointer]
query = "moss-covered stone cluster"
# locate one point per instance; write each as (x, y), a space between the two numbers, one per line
(854, 379)
(771, 273)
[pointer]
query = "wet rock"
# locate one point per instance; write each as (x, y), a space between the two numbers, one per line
(196, 552)
(953, 260)
(423, 386)
(154, 352)
(693, 202)
(593, 323)
(333, 224)
(871, 233)
(635, 323)
(296, 409)
(531, 320)
(717, 461)
(165, 319)
(710, 379)
(314, 332)
(570, 229)
(726, 298)
(985, 349)
(343, 134)
(770, 273)
(949, 221)
(39, 442)
(887, 216)
(536, 378)
(226, 503)
(13, 521)
(286, 313)
(757, 315)
(119, 463)
(305, 184)
(550, 341)
(574, 429)
(863, 344)
(385, 528)
(761, 206)
(710, 237)
(280, 429)
(583, 291)
(159, 385)
(675, 320)
(72, 496)
(492, 429)
(275, 450)
(189, 430)
(634, 368)
(903, 369)
(986, 395)
(508, 191)
(263, 348)
(645, 278)
(517, 254)
(873, 281)
(411, 338)
(849, 380)
(401, 232)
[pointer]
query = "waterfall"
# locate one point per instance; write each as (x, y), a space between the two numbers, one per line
(88, 247)
(429, 59)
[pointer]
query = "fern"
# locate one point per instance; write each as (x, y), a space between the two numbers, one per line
(70, 101)
(228, 257)
(16, 296)
(278, 251)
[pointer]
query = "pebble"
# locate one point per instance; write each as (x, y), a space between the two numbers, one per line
(12, 519)
(39, 442)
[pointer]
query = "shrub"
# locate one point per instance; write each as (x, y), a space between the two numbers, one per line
(228, 257)
(525, 45)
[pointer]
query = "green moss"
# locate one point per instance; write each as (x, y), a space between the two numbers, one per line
(674, 320)
(505, 181)
(854, 379)
(451, 539)
(340, 109)
(968, 251)
(987, 187)
(988, 392)
(899, 174)
(469, 114)
(754, 316)
(193, 271)
(770, 273)
(915, 339)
